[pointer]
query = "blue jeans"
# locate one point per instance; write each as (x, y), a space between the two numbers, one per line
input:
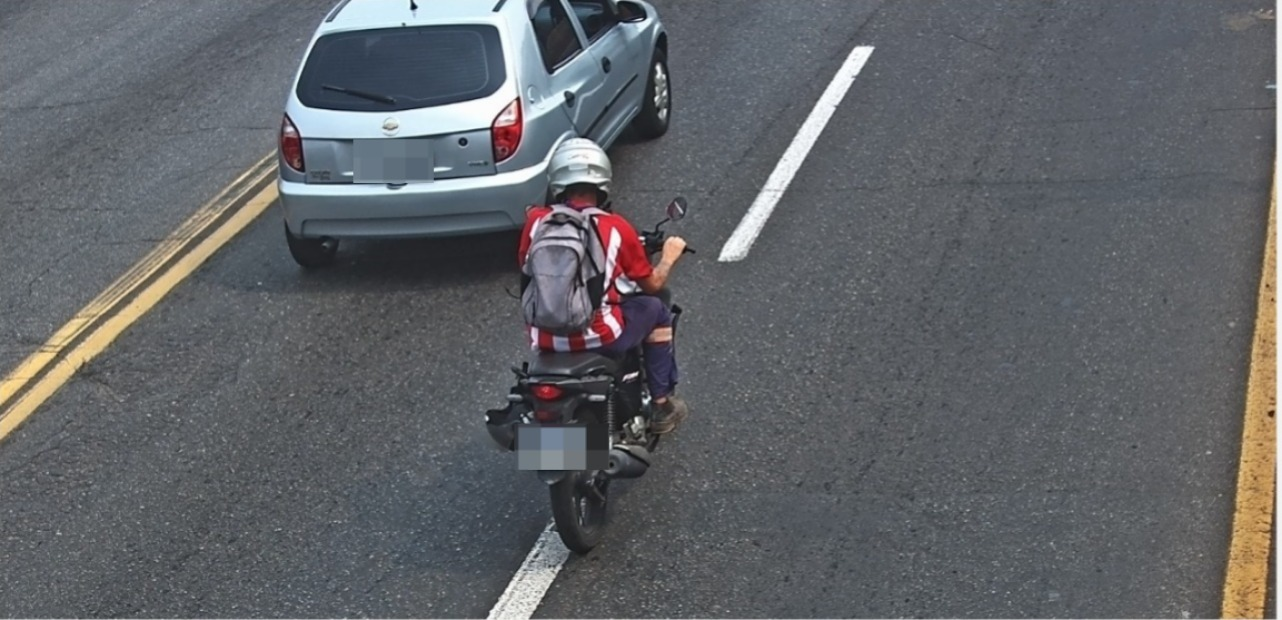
(641, 314)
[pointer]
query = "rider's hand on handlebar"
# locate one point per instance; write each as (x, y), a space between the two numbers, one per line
(673, 247)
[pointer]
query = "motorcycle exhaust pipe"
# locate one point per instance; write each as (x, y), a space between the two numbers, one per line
(628, 462)
(501, 430)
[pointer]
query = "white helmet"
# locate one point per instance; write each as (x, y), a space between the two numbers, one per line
(579, 160)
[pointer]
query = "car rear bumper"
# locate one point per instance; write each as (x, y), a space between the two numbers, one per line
(448, 207)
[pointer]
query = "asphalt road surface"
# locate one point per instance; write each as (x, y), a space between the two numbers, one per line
(987, 358)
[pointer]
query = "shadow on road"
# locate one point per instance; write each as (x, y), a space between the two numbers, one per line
(399, 263)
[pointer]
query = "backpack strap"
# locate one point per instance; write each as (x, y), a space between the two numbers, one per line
(597, 286)
(598, 244)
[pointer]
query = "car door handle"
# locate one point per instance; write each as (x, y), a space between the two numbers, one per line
(605, 64)
(569, 98)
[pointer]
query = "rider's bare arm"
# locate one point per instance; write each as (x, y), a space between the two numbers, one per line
(672, 249)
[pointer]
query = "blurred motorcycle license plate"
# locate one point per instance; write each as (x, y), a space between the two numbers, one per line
(560, 448)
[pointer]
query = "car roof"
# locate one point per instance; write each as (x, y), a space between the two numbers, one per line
(361, 14)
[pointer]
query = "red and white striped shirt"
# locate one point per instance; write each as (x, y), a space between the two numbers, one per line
(626, 263)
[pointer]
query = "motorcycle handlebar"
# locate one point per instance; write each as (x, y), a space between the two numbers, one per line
(654, 243)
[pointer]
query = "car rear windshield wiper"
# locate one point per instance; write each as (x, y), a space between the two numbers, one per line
(360, 93)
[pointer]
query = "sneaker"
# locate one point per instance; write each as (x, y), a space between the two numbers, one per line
(668, 415)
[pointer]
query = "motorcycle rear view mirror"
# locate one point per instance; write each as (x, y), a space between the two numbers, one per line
(677, 209)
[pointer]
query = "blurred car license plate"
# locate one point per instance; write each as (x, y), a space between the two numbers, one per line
(559, 448)
(393, 160)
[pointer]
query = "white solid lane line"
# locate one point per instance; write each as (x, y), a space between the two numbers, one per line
(737, 247)
(533, 579)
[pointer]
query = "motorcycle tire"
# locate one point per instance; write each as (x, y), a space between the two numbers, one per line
(579, 515)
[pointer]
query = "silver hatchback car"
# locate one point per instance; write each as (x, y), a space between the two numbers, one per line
(439, 117)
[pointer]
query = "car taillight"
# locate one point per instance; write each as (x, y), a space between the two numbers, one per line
(546, 392)
(291, 144)
(505, 133)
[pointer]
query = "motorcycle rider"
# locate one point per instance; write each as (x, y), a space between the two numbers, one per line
(631, 311)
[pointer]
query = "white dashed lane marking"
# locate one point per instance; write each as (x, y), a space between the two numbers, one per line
(533, 579)
(740, 242)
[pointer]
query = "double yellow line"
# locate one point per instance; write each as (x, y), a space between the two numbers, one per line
(136, 292)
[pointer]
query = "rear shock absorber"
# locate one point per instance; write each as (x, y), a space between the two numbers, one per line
(609, 415)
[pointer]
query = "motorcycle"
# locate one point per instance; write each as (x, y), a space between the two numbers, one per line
(581, 420)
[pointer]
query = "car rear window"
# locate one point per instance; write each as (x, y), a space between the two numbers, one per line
(418, 67)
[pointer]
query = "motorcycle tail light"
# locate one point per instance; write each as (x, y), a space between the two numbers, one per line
(546, 392)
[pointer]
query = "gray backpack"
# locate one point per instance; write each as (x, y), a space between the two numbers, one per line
(563, 281)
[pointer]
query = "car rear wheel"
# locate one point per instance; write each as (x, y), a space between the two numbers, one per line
(656, 105)
(311, 253)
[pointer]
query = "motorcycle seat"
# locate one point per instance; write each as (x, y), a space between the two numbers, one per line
(571, 364)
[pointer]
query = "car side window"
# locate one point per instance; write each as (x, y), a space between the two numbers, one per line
(558, 41)
(596, 17)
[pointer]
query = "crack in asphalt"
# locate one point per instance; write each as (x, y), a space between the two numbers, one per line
(975, 43)
(1074, 121)
(58, 106)
(31, 284)
(1243, 109)
(185, 132)
(87, 209)
(58, 439)
(954, 230)
(734, 171)
(1028, 182)
(206, 171)
(149, 241)
(89, 373)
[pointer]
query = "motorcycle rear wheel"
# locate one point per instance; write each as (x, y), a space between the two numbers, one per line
(578, 513)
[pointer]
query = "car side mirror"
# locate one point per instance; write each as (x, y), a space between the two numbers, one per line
(631, 11)
(677, 209)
